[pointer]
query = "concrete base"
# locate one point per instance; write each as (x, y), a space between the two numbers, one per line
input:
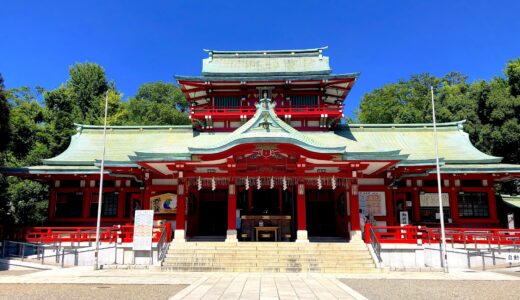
(356, 236)
(231, 236)
(302, 236)
(180, 236)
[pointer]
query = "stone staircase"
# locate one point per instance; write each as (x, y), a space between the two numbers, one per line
(351, 257)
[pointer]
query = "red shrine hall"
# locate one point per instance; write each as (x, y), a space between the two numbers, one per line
(268, 158)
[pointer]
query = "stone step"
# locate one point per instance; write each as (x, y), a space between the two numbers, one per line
(265, 257)
(274, 253)
(272, 269)
(277, 261)
(271, 264)
(261, 245)
(268, 257)
(268, 251)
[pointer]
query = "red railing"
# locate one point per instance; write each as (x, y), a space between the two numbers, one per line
(393, 234)
(279, 110)
(415, 234)
(123, 233)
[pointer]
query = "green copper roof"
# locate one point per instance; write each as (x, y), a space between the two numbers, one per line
(513, 201)
(480, 168)
(411, 144)
(53, 170)
(86, 146)
(264, 127)
(414, 140)
(268, 62)
(259, 77)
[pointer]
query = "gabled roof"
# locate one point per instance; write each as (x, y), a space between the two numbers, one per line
(266, 62)
(86, 145)
(411, 144)
(416, 141)
(263, 127)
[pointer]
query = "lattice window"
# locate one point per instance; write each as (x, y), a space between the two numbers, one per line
(227, 101)
(304, 100)
(109, 207)
(473, 205)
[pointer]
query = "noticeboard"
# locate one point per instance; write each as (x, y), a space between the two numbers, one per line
(372, 203)
(143, 227)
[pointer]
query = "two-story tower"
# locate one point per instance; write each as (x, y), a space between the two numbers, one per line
(308, 96)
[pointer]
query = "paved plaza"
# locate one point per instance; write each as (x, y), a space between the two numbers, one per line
(85, 283)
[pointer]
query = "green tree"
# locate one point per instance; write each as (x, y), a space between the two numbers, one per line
(156, 103)
(492, 109)
(28, 202)
(24, 202)
(62, 112)
(5, 130)
(88, 85)
(27, 124)
(5, 136)
(513, 76)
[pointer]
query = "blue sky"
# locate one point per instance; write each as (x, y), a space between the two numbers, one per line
(145, 41)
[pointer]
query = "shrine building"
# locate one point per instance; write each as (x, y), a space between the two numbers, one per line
(267, 148)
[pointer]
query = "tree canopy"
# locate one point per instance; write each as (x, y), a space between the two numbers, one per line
(36, 124)
(491, 108)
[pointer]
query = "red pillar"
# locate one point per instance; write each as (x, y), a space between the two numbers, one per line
(492, 205)
(180, 217)
(416, 207)
(87, 198)
(454, 204)
(232, 206)
(52, 203)
(250, 201)
(354, 207)
(302, 212)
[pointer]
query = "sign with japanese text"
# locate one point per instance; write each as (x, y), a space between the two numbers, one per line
(432, 200)
(372, 203)
(513, 257)
(403, 218)
(143, 227)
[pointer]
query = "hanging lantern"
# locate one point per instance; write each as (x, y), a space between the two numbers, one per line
(199, 184)
(333, 182)
(258, 183)
(271, 183)
(284, 183)
(319, 183)
(247, 183)
(213, 184)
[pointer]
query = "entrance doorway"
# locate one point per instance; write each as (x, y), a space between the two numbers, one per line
(265, 202)
(213, 213)
(321, 217)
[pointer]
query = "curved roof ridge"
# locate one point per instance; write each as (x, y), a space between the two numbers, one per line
(457, 124)
(309, 50)
(86, 126)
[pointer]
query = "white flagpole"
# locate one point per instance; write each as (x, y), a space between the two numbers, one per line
(100, 198)
(441, 211)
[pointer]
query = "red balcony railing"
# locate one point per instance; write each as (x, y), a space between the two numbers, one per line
(123, 233)
(249, 111)
(415, 234)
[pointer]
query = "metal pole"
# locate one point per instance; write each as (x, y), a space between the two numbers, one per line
(100, 198)
(441, 210)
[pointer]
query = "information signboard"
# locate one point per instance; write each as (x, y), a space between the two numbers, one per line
(372, 203)
(143, 228)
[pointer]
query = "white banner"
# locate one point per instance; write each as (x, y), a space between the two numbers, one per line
(143, 227)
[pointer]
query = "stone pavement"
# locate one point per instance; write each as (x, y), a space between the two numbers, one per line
(242, 285)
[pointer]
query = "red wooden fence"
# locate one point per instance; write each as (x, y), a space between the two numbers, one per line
(414, 234)
(123, 233)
